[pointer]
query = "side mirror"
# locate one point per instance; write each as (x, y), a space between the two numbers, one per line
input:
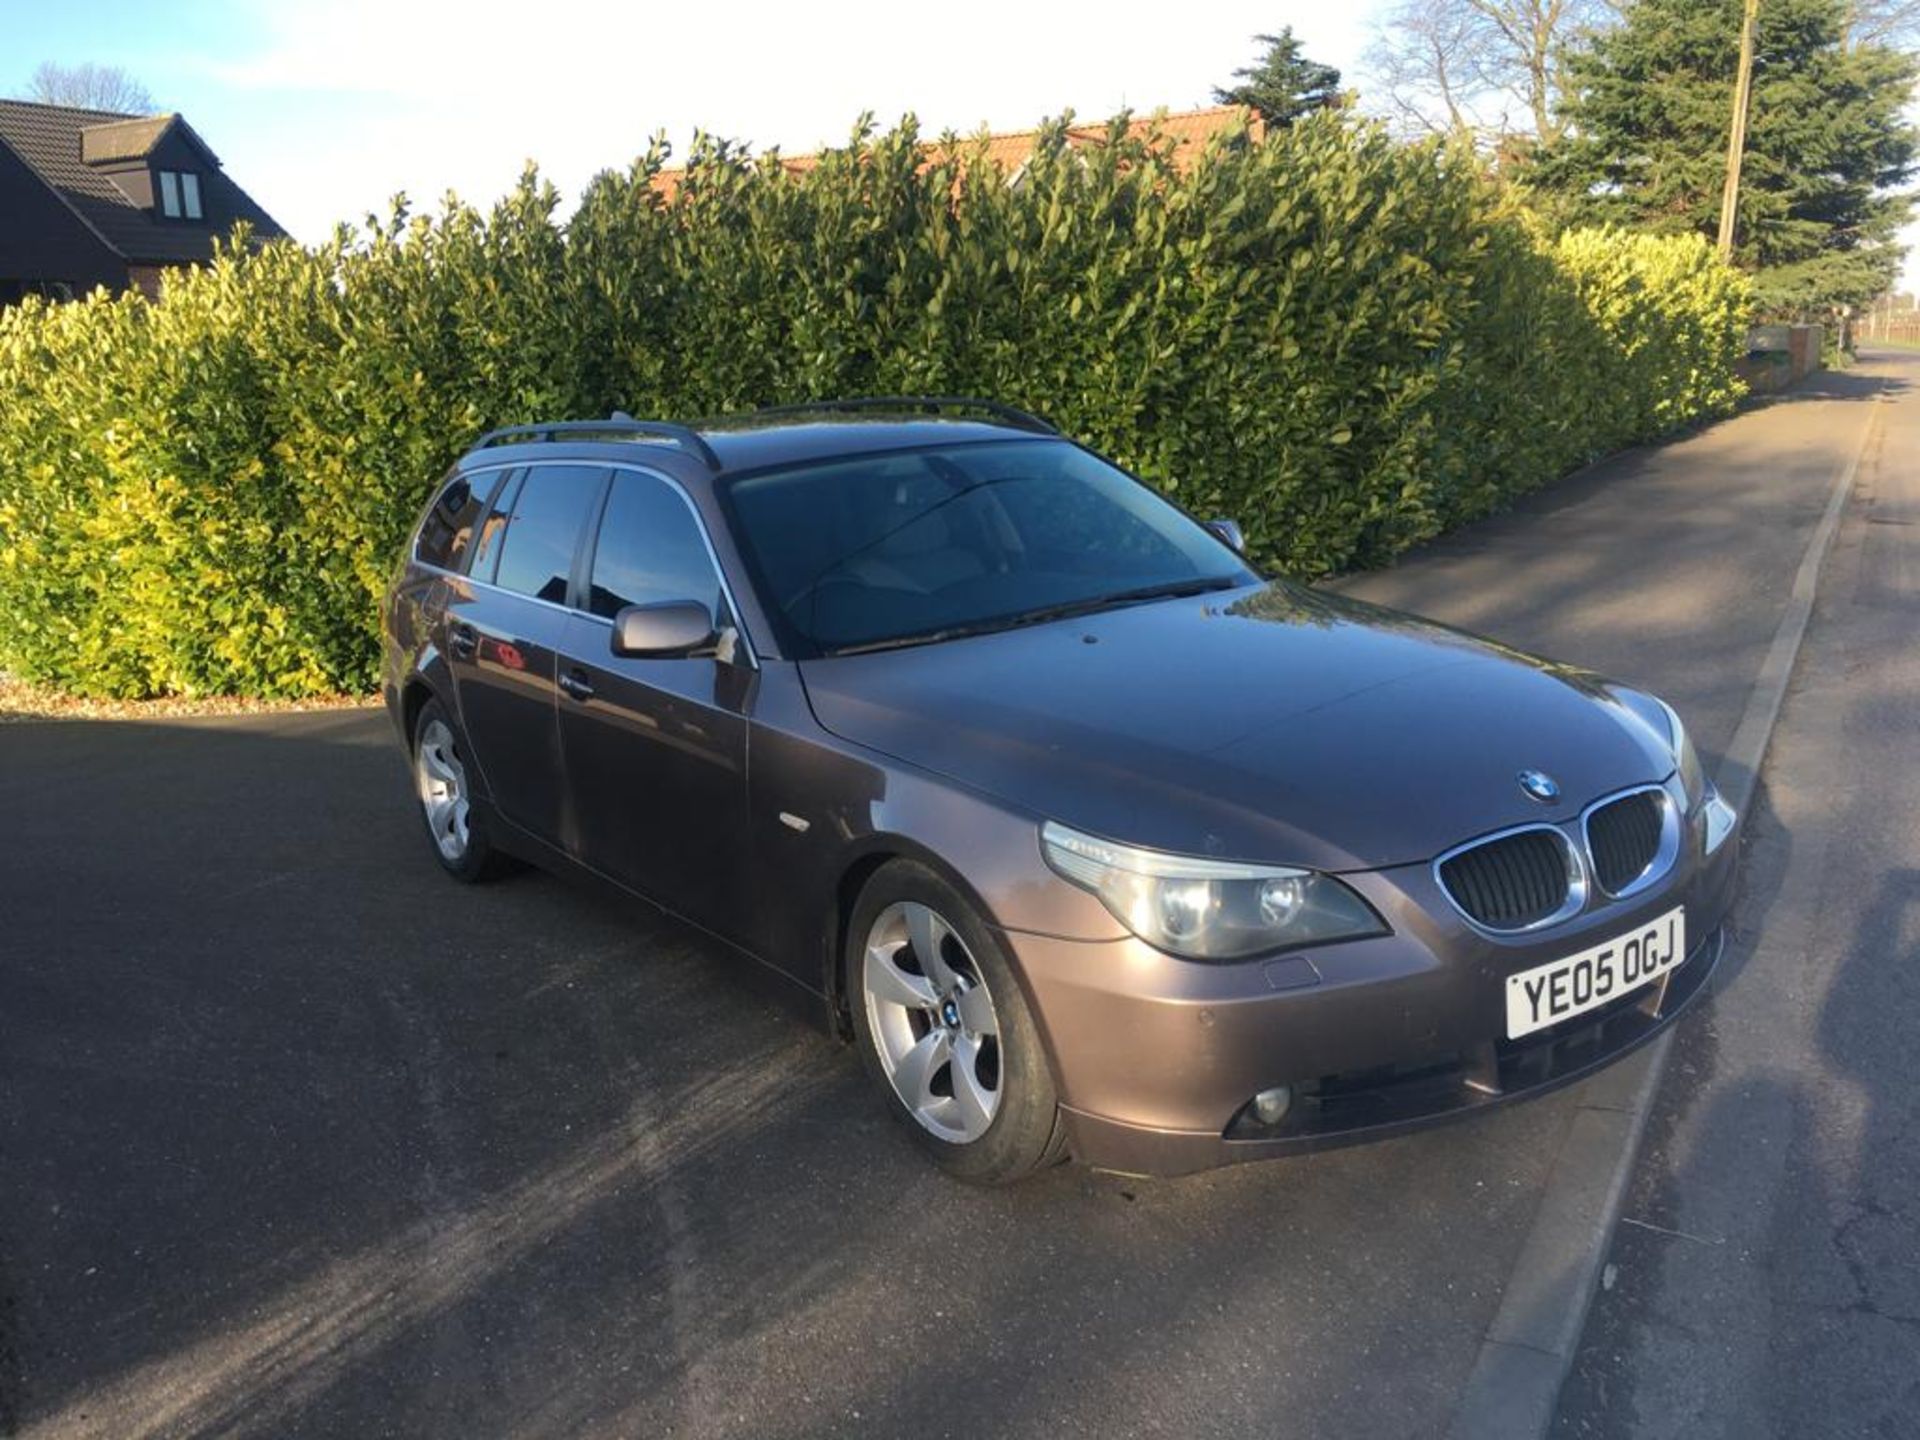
(1229, 531)
(668, 629)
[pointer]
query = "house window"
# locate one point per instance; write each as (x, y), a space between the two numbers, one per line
(180, 195)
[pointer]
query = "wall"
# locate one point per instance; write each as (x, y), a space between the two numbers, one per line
(41, 239)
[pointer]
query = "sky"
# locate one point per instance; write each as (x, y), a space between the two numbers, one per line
(325, 109)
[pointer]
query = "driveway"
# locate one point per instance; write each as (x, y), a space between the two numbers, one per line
(298, 1138)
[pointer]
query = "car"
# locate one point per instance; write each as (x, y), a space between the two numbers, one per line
(1096, 841)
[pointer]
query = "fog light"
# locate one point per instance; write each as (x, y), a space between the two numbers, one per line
(1270, 1106)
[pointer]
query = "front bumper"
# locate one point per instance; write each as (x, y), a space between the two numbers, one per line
(1156, 1059)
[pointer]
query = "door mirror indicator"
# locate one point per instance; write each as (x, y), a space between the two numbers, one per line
(1228, 531)
(669, 629)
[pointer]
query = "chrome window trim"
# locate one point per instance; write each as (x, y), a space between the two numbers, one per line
(752, 660)
(1672, 837)
(1579, 884)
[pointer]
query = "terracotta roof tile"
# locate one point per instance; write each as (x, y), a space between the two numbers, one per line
(1189, 130)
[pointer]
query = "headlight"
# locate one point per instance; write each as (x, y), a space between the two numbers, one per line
(1720, 816)
(1208, 909)
(1692, 778)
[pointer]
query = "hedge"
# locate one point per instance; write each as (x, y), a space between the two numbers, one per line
(1347, 343)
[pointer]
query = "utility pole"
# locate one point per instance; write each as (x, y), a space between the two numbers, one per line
(1737, 139)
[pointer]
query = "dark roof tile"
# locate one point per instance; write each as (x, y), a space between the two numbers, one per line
(51, 139)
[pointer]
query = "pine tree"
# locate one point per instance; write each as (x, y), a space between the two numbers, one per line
(1285, 84)
(1827, 145)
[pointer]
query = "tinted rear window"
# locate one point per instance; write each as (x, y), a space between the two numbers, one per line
(448, 528)
(543, 532)
(486, 550)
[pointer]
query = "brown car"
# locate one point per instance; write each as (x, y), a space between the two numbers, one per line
(1095, 840)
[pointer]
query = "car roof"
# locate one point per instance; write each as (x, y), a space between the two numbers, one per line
(787, 441)
(736, 445)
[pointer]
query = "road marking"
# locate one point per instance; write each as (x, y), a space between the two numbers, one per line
(1514, 1386)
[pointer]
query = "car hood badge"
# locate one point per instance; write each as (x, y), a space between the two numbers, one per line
(1540, 786)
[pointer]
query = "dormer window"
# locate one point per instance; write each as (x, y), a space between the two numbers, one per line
(180, 194)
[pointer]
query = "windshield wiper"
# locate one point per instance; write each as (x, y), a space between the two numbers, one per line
(1173, 590)
(923, 637)
(1066, 610)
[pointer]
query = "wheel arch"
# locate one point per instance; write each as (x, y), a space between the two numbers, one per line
(857, 869)
(414, 696)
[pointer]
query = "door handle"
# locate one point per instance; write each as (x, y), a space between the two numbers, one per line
(463, 642)
(576, 684)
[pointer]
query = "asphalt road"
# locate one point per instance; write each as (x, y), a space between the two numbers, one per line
(297, 1138)
(1766, 1276)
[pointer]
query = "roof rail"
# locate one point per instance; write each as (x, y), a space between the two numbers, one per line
(1012, 415)
(619, 424)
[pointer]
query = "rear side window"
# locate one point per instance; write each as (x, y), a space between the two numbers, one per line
(650, 549)
(448, 528)
(543, 530)
(486, 550)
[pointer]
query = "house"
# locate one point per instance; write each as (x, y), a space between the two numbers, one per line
(1189, 130)
(90, 197)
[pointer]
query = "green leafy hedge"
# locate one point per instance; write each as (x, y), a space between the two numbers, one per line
(1347, 343)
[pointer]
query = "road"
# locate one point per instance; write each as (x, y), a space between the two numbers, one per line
(299, 1139)
(1766, 1278)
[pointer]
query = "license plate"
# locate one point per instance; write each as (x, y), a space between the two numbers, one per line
(1560, 989)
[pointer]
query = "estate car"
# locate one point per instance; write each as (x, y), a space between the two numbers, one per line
(1094, 839)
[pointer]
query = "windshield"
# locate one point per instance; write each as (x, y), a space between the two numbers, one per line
(927, 544)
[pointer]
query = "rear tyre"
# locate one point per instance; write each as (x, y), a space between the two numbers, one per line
(944, 1028)
(445, 789)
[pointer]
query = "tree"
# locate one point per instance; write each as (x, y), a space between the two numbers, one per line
(1827, 145)
(1285, 84)
(90, 87)
(1894, 23)
(1462, 65)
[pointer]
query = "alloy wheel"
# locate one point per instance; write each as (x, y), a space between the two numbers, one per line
(442, 782)
(933, 1022)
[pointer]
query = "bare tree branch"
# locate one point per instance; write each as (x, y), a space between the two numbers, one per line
(89, 87)
(1426, 68)
(1470, 61)
(1892, 23)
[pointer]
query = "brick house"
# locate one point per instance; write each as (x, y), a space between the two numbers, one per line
(1188, 130)
(89, 197)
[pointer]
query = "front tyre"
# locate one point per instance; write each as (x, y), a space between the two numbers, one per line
(445, 789)
(945, 1029)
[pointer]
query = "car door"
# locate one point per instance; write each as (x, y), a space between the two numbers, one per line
(505, 621)
(656, 749)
